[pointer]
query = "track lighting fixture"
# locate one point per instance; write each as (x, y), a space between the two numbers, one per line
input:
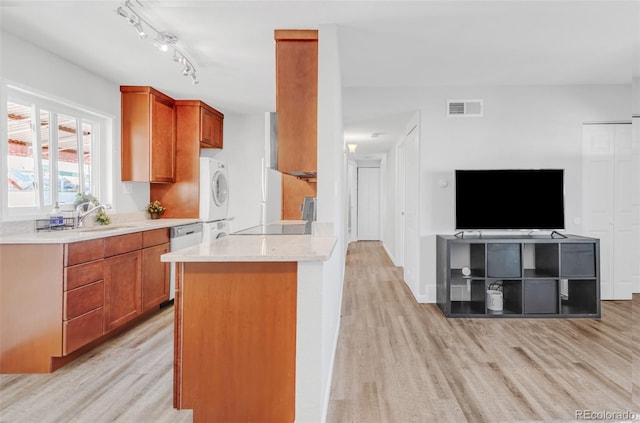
(163, 40)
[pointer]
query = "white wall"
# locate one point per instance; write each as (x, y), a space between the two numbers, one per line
(332, 200)
(522, 127)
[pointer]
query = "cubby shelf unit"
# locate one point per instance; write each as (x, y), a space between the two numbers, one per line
(536, 275)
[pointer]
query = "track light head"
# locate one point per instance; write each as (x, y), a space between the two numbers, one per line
(123, 13)
(164, 40)
(187, 70)
(194, 79)
(140, 30)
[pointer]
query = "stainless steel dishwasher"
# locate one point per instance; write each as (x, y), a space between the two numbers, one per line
(182, 236)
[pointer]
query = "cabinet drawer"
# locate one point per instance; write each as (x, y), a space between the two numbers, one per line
(122, 244)
(82, 330)
(83, 251)
(155, 237)
(82, 274)
(82, 300)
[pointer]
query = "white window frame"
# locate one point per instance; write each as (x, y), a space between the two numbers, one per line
(100, 124)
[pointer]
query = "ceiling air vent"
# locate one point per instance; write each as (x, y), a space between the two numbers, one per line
(464, 108)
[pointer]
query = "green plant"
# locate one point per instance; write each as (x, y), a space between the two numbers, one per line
(155, 207)
(102, 218)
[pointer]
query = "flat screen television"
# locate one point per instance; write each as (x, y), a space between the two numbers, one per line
(510, 199)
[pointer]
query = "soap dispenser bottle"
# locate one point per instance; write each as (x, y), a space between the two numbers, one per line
(55, 217)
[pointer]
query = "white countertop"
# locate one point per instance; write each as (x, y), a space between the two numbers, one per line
(94, 232)
(239, 248)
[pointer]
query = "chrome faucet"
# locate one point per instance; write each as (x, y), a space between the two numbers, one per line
(80, 215)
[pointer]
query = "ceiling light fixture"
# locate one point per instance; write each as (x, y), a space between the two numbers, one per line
(163, 40)
(352, 148)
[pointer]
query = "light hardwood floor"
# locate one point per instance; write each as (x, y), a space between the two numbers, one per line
(400, 361)
(128, 379)
(397, 361)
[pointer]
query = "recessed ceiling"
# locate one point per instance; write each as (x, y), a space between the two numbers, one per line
(382, 44)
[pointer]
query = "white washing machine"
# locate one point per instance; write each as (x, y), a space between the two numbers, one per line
(214, 230)
(214, 190)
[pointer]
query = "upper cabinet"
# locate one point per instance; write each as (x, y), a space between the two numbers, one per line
(297, 100)
(210, 127)
(204, 119)
(148, 135)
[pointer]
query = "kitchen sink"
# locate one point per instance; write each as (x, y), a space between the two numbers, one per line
(103, 228)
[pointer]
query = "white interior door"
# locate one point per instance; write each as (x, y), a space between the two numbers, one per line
(610, 204)
(368, 203)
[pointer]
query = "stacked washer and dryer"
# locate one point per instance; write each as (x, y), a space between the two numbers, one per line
(214, 198)
(214, 206)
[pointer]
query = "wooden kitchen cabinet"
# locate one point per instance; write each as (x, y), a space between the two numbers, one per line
(78, 295)
(122, 279)
(155, 274)
(297, 99)
(123, 289)
(148, 135)
(297, 107)
(211, 126)
(198, 126)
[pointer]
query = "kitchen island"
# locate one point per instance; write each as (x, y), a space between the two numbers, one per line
(248, 309)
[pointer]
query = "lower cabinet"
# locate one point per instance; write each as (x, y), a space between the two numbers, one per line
(155, 277)
(79, 293)
(123, 289)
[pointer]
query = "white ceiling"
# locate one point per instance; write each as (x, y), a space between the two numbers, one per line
(381, 44)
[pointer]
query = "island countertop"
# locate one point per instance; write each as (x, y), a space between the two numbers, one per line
(242, 248)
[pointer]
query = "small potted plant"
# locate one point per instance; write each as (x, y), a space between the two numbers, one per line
(102, 218)
(155, 209)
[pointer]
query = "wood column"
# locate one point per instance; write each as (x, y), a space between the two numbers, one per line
(235, 351)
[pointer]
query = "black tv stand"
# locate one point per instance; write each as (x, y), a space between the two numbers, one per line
(558, 234)
(537, 276)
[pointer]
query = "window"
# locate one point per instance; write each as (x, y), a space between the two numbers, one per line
(52, 153)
